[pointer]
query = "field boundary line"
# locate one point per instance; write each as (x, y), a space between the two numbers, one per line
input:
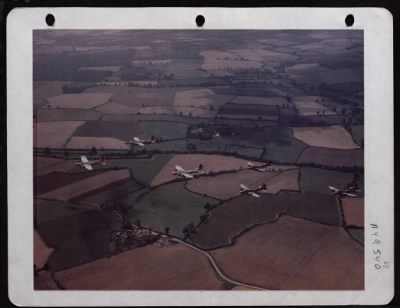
(216, 267)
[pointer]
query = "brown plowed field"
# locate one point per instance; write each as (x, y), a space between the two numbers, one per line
(78, 188)
(43, 281)
(215, 163)
(56, 179)
(41, 251)
(293, 254)
(228, 220)
(44, 165)
(287, 180)
(148, 268)
(333, 157)
(353, 209)
(109, 193)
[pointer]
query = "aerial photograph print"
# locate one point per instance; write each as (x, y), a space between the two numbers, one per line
(198, 160)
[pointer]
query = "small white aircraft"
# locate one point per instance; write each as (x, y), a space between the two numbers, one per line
(261, 168)
(343, 192)
(88, 164)
(140, 142)
(188, 173)
(253, 192)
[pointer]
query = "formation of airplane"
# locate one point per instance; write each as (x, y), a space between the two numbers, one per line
(253, 192)
(141, 142)
(188, 173)
(261, 168)
(88, 164)
(348, 191)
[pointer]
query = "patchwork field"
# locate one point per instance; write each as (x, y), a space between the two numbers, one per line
(353, 209)
(293, 254)
(43, 90)
(165, 130)
(81, 187)
(226, 186)
(213, 163)
(334, 137)
(79, 101)
(219, 60)
(333, 157)
(50, 115)
(169, 206)
(310, 105)
(200, 98)
(54, 134)
(239, 214)
(116, 108)
(137, 96)
(254, 100)
(96, 142)
(147, 268)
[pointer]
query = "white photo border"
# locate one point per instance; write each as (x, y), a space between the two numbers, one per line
(377, 24)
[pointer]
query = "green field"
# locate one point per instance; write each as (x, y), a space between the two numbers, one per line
(169, 206)
(80, 249)
(357, 131)
(143, 169)
(279, 144)
(166, 146)
(318, 180)
(165, 130)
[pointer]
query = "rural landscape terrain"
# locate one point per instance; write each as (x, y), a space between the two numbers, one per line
(198, 160)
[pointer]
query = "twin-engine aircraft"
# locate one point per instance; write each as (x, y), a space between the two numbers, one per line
(348, 191)
(88, 164)
(261, 168)
(188, 173)
(140, 142)
(253, 192)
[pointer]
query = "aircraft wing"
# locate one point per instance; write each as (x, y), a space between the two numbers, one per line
(262, 169)
(137, 139)
(179, 168)
(84, 159)
(88, 166)
(253, 194)
(140, 144)
(187, 175)
(349, 194)
(244, 187)
(333, 189)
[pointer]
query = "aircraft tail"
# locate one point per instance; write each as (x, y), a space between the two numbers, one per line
(200, 167)
(153, 139)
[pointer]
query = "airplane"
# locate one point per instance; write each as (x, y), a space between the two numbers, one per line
(253, 192)
(140, 142)
(188, 173)
(343, 192)
(261, 168)
(88, 164)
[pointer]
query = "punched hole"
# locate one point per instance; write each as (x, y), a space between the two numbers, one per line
(200, 20)
(50, 20)
(349, 20)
